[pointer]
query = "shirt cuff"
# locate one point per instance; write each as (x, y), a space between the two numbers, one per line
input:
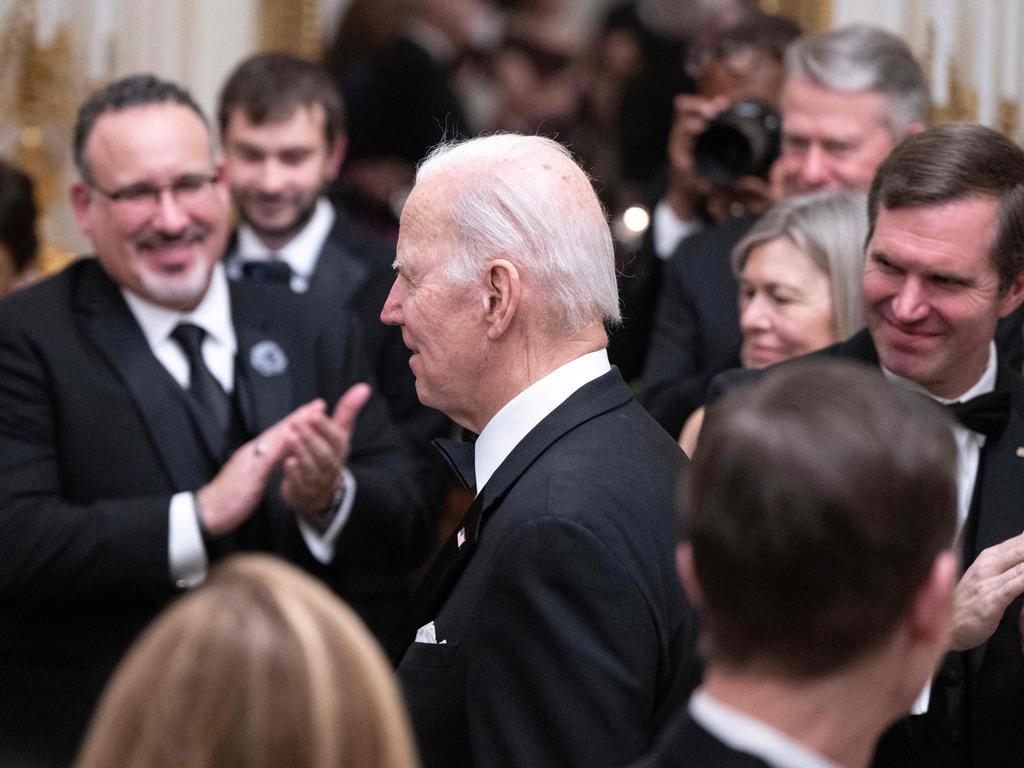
(321, 545)
(185, 550)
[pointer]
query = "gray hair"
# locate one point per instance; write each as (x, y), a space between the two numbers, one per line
(523, 198)
(831, 229)
(863, 58)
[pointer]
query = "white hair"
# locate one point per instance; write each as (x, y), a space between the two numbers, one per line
(864, 58)
(523, 198)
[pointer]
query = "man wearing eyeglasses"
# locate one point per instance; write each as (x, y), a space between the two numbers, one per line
(155, 418)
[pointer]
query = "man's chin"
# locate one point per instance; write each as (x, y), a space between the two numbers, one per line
(177, 291)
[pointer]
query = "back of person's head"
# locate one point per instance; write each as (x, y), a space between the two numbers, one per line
(260, 667)
(830, 228)
(270, 87)
(17, 216)
(816, 508)
(523, 198)
(864, 58)
(127, 93)
(953, 162)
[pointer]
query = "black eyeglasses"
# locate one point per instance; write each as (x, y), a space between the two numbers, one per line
(144, 197)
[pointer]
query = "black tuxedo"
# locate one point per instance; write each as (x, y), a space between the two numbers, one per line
(686, 744)
(697, 325)
(95, 438)
(353, 275)
(977, 696)
(567, 639)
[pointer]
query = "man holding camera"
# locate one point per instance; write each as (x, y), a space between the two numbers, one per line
(850, 96)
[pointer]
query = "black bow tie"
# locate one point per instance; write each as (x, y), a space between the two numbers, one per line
(986, 414)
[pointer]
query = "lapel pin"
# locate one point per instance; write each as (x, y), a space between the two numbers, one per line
(460, 538)
(1020, 451)
(267, 358)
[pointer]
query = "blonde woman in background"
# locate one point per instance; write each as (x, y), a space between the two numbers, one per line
(262, 667)
(799, 270)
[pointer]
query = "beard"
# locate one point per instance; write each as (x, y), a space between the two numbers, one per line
(301, 206)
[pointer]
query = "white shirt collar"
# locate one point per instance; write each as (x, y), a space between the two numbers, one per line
(747, 734)
(213, 314)
(527, 409)
(300, 253)
(984, 385)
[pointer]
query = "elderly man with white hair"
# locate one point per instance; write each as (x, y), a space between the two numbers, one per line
(550, 630)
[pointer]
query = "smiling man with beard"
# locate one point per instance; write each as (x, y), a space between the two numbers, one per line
(281, 122)
(155, 418)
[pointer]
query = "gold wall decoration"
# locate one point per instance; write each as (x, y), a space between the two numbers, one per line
(290, 25)
(812, 15)
(963, 101)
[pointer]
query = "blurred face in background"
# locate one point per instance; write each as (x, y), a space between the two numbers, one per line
(785, 305)
(276, 170)
(830, 139)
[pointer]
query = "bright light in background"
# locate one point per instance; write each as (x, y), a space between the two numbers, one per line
(636, 219)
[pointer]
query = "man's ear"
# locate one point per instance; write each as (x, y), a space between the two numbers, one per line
(1013, 297)
(336, 156)
(502, 293)
(930, 614)
(688, 574)
(81, 196)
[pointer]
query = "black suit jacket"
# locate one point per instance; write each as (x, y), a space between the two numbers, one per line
(977, 696)
(567, 639)
(95, 438)
(697, 325)
(686, 744)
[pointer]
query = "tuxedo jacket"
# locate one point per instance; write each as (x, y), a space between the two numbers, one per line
(95, 438)
(686, 744)
(977, 696)
(563, 636)
(351, 281)
(697, 324)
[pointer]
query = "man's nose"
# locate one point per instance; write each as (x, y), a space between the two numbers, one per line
(170, 215)
(909, 304)
(272, 176)
(391, 313)
(814, 168)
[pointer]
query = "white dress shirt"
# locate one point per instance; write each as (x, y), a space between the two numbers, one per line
(300, 253)
(527, 409)
(670, 230)
(746, 734)
(968, 455)
(186, 554)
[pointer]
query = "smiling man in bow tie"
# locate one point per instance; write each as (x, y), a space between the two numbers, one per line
(944, 263)
(155, 418)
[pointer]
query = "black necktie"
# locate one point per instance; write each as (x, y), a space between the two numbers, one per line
(986, 414)
(205, 390)
(273, 271)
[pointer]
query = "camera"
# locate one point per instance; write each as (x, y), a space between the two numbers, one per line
(744, 140)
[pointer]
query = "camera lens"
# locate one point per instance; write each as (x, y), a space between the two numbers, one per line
(742, 141)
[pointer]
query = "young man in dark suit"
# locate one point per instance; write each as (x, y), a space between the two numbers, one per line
(550, 630)
(819, 516)
(282, 129)
(156, 418)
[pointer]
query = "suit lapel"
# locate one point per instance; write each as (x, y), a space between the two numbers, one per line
(160, 401)
(593, 399)
(338, 274)
(996, 492)
(262, 382)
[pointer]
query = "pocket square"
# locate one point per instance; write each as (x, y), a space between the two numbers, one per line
(426, 634)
